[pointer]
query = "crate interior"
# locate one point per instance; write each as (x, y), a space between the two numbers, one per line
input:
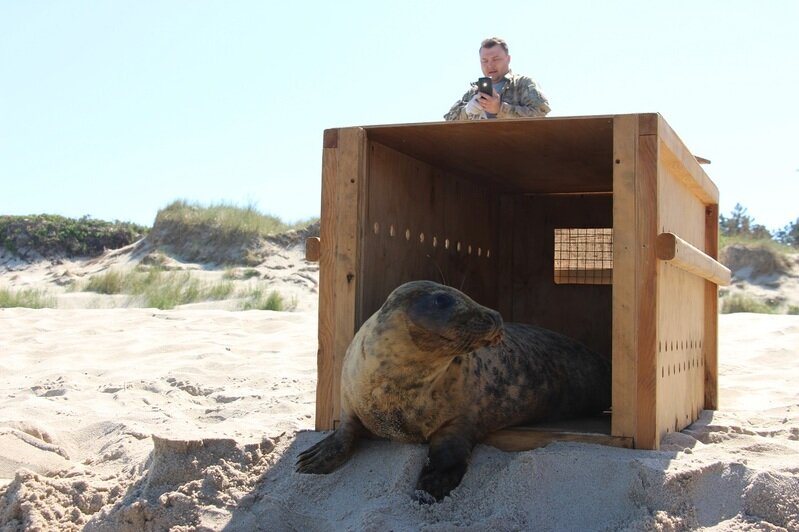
(479, 206)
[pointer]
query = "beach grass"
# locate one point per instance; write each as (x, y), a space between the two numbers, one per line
(27, 298)
(239, 274)
(743, 303)
(749, 241)
(227, 218)
(157, 288)
(260, 299)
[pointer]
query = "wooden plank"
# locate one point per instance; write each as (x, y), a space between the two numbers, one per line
(711, 313)
(504, 258)
(524, 439)
(624, 306)
(646, 217)
(342, 175)
(679, 160)
(683, 255)
(351, 165)
(327, 276)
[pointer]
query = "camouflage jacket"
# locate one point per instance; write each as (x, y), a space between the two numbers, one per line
(520, 99)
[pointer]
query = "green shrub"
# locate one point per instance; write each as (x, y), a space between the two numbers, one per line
(51, 235)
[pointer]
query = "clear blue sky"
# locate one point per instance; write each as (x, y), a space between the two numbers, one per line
(114, 109)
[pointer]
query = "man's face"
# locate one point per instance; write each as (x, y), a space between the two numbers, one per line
(494, 62)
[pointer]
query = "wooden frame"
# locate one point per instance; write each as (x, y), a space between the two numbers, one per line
(474, 204)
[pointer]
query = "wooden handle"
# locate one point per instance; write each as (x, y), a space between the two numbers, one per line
(681, 254)
(312, 249)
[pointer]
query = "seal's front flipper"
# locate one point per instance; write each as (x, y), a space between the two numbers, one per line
(330, 453)
(446, 464)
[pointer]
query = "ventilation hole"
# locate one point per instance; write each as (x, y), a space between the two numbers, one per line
(376, 228)
(458, 247)
(391, 230)
(421, 238)
(469, 249)
(435, 241)
(488, 253)
(479, 252)
(407, 234)
(446, 243)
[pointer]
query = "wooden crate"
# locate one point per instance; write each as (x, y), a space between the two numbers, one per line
(604, 228)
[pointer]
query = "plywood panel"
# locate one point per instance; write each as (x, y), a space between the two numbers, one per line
(425, 223)
(681, 304)
(578, 310)
(504, 256)
(560, 154)
(680, 344)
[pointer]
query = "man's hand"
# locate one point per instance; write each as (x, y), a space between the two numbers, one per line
(473, 106)
(491, 104)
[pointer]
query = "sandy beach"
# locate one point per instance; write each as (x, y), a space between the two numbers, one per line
(128, 419)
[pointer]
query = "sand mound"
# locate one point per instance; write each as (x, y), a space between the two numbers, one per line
(754, 261)
(763, 275)
(99, 404)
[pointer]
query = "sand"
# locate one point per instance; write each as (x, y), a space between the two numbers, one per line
(122, 419)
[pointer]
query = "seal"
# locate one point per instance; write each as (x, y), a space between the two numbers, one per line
(433, 366)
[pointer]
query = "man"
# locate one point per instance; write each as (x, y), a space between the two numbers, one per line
(513, 95)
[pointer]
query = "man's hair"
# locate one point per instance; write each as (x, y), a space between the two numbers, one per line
(493, 41)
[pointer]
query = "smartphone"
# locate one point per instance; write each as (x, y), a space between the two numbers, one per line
(485, 85)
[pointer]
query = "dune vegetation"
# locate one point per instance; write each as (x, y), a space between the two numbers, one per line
(26, 298)
(158, 288)
(224, 236)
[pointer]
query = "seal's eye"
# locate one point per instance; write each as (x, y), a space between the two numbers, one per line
(443, 301)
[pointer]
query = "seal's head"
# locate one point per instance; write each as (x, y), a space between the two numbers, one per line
(439, 319)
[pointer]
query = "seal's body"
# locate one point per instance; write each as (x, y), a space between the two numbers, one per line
(434, 366)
